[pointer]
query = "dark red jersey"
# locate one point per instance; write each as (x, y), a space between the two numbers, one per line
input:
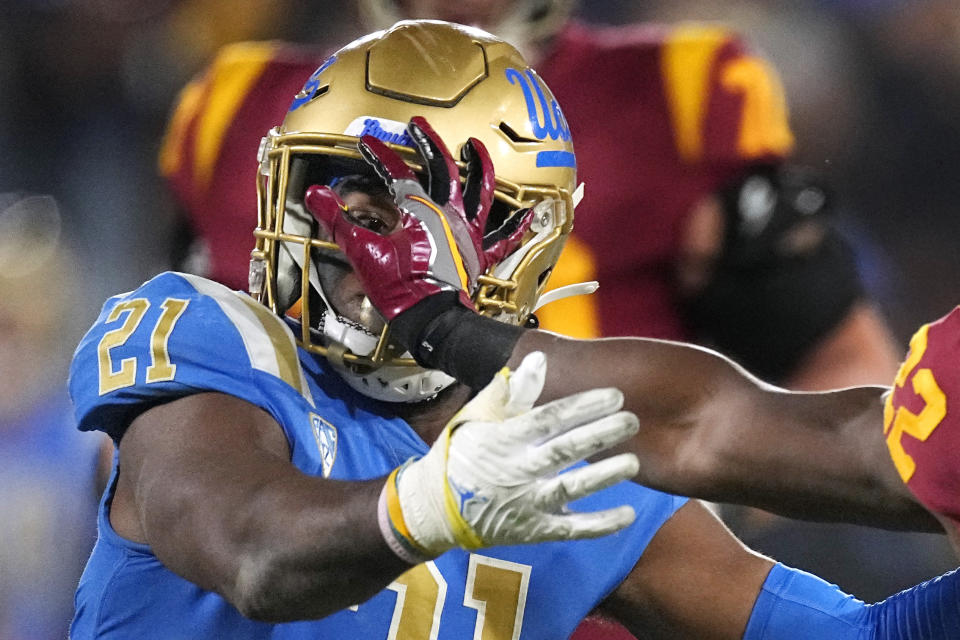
(920, 421)
(660, 118)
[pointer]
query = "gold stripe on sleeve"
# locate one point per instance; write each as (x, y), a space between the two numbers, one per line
(171, 148)
(288, 364)
(688, 56)
(234, 72)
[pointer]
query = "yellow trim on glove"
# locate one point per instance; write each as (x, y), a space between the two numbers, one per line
(463, 533)
(395, 513)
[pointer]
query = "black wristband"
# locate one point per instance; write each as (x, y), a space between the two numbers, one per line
(407, 327)
(442, 334)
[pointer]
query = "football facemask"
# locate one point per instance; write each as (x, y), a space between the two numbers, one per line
(466, 83)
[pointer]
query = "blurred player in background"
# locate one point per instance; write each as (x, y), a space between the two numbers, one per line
(219, 509)
(47, 496)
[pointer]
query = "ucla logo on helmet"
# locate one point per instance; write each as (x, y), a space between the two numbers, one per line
(312, 85)
(326, 436)
(546, 118)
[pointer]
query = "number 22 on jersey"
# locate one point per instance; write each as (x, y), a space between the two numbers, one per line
(902, 420)
(160, 367)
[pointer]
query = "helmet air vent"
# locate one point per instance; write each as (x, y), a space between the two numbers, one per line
(319, 92)
(513, 136)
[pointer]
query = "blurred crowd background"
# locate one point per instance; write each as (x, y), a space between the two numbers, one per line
(85, 90)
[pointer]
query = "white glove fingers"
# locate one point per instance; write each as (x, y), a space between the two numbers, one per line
(584, 441)
(552, 419)
(526, 384)
(586, 480)
(576, 526)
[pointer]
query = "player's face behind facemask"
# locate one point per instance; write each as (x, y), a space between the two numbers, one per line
(315, 284)
(369, 205)
(465, 83)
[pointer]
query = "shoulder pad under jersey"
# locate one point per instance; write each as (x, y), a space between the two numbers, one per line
(920, 421)
(174, 336)
(725, 104)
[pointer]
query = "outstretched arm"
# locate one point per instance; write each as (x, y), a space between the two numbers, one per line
(711, 430)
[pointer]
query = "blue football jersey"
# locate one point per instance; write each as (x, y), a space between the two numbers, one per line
(179, 334)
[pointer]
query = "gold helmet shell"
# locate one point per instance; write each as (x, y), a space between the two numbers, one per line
(465, 83)
(521, 23)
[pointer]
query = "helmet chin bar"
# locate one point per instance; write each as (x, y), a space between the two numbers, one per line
(341, 343)
(368, 363)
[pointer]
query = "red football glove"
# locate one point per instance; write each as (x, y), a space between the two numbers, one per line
(439, 244)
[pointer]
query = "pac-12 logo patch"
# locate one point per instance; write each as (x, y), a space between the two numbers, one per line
(326, 436)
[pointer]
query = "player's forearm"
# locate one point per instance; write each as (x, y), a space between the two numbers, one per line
(710, 430)
(318, 556)
(220, 504)
(288, 550)
(816, 456)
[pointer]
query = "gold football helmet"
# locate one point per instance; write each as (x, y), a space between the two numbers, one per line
(465, 82)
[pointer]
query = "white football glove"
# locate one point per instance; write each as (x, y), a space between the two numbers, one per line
(492, 477)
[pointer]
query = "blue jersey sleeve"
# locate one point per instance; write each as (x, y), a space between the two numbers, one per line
(174, 336)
